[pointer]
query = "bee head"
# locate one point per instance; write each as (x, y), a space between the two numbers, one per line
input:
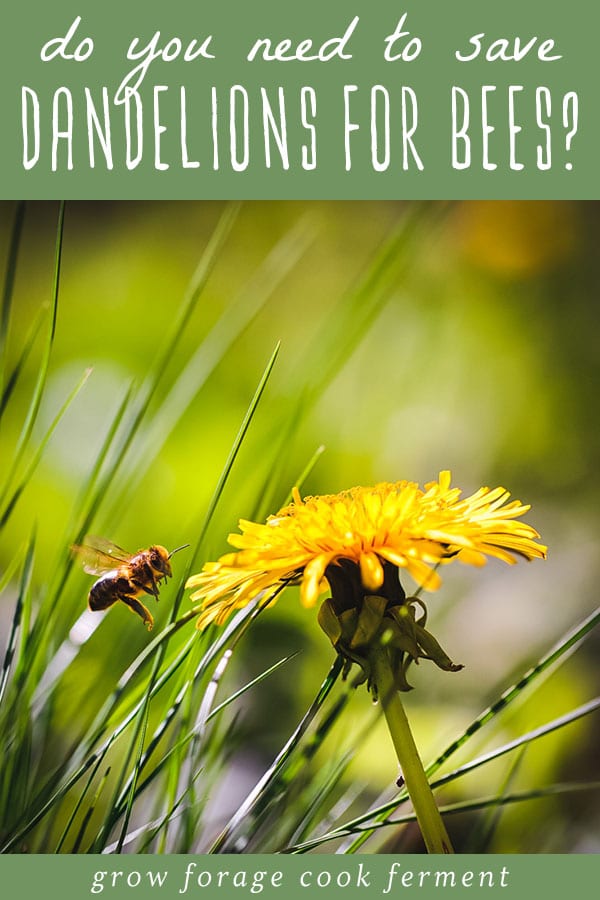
(159, 560)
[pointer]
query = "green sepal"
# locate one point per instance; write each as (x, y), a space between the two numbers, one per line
(355, 633)
(369, 621)
(434, 652)
(329, 622)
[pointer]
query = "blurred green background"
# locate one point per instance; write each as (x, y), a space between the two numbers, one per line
(481, 354)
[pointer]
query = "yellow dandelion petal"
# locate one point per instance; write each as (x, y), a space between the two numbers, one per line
(423, 575)
(310, 587)
(473, 557)
(396, 559)
(444, 480)
(371, 571)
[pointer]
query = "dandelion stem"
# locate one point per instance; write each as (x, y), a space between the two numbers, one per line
(428, 816)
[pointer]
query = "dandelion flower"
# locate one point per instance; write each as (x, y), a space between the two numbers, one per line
(367, 535)
(355, 547)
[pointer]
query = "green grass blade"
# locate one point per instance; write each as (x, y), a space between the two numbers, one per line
(280, 761)
(7, 576)
(524, 739)
(97, 491)
(42, 377)
(248, 686)
(552, 790)
(33, 462)
(100, 493)
(78, 805)
(196, 286)
(87, 505)
(483, 833)
(89, 813)
(7, 292)
(315, 814)
(75, 768)
(228, 639)
(95, 485)
(138, 739)
(207, 700)
(237, 623)
(229, 463)
(19, 366)
(24, 588)
(480, 803)
(558, 652)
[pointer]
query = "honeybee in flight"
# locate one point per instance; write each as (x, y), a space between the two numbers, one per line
(124, 576)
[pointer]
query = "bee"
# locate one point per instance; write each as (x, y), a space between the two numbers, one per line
(124, 576)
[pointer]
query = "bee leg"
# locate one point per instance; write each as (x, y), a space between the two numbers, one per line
(153, 591)
(148, 579)
(135, 606)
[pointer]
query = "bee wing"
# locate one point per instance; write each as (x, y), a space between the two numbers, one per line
(100, 555)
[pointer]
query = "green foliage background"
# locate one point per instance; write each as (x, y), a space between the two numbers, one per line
(413, 338)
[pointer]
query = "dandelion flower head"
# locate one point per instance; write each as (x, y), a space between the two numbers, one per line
(371, 530)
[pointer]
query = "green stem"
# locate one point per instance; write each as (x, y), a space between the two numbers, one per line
(428, 816)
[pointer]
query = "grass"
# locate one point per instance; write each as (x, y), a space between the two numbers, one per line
(142, 766)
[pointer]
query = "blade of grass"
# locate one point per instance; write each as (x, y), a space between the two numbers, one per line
(89, 813)
(9, 284)
(483, 833)
(197, 284)
(524, 739)
(199, 731)
(280, 761)
(552, 790)
(558, 652)
(339, 768)
(314, 814)
(98, 489)
(46, 680)
(79, 804)
(229, 462)
(164, 356)
(19, 366)
(98, 486)
(9, 572)
(42, 376)
(95, 486)
(24, 589)
(452, 809)
(292, 778)
(77, 763)
(33, 462)
(138, 738)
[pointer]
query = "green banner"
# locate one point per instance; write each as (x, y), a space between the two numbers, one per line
(172, 877)
(420, 99)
